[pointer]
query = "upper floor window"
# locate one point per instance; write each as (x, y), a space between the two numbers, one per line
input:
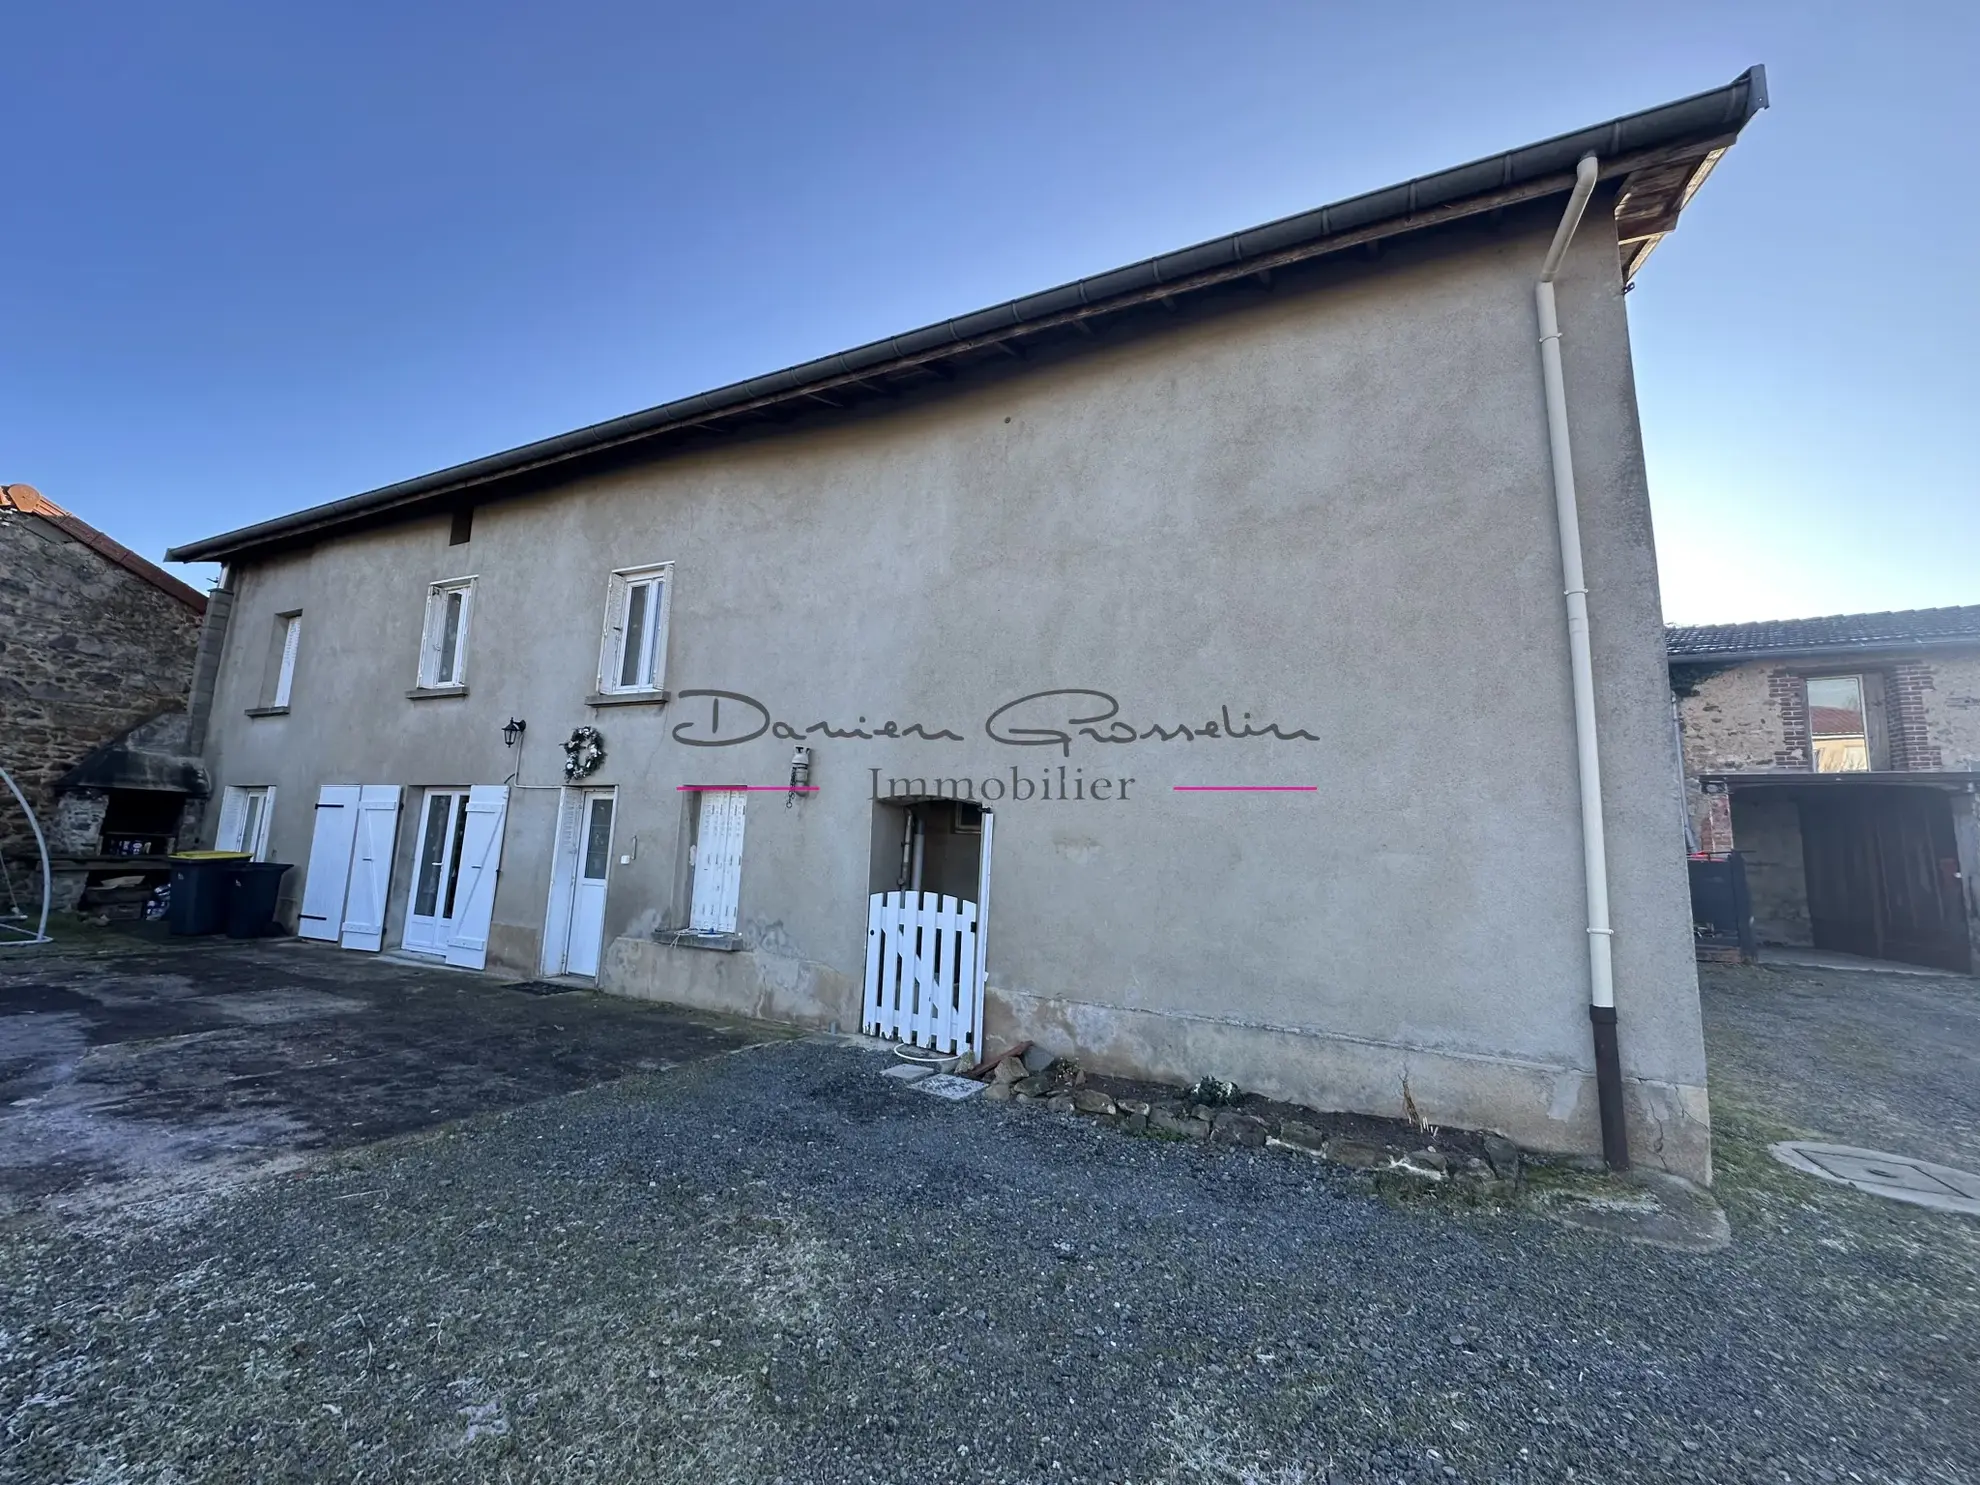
(1837, 725)
(288, 636)
(278, 671)
(633, 655)
(443, 647)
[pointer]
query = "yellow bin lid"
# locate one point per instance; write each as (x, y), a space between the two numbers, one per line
(208, 856)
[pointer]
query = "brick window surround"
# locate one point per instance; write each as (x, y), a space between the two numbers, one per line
(1904, 692)
(1787, 691)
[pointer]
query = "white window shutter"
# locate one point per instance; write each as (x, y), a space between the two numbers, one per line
(233, 820)
(429, 640)
(376, 833)
(259, 845)
(663, 600)
(285, 677)
(330, 846)
(563, 879)
(615, 628)
(481, 860)
(461, 640)
(718, 862)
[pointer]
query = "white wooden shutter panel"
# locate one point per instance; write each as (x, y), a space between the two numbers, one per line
(461, 639)
(285, 677)
(258, 847)
(663, 603)
(481, 860)
(233, 820)
(614, 635)
(732, 862)
(718, 862)
(429, 639)
(377, 832)
(329, 861)
(563, 881)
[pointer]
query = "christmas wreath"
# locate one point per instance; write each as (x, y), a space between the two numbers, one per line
(583, 753)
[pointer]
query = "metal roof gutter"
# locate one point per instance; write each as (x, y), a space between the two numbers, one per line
(1653, 137)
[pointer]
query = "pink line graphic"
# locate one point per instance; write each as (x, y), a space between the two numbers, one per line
(753, 788)
(1244, 788)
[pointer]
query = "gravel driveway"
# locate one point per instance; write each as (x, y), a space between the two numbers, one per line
(777, 1266)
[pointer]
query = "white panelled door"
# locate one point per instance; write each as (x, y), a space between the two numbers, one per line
(371, 867)
(330, 847)
(594, 866)
(574, 921)
(479, 858)
(718, 862)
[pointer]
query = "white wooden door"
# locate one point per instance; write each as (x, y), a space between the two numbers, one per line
(574, 920)
(594, 865)
(330, 846)
(718, 862)
(371, 867)
(480, 862)
(433, 897)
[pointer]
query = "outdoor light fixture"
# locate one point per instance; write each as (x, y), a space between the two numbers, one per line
(512, 732)
(800, 773)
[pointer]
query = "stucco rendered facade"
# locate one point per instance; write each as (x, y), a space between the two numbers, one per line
(1324, 520)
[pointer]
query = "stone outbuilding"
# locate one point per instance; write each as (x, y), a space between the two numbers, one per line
(1170, 668)
(1840, 757)
(97, 648)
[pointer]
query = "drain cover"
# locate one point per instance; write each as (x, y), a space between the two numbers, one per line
(1897, 1176)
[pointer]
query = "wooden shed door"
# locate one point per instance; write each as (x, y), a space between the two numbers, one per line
(1883, 877)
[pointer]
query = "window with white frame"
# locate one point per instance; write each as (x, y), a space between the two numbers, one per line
(443, 646)
(245, 811)
(288, 637)
(633, 656)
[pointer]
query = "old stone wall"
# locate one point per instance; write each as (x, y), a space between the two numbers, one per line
(1923, 714)
(1947, 696)
(87, 649)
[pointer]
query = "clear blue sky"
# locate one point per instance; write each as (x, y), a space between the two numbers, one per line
(258, 257)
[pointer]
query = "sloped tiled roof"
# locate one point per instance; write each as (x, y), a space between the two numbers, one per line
(1903, 629)
(31, 502)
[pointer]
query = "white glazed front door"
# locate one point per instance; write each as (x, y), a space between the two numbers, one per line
(574, 925)
(594, 865)
(436, 874)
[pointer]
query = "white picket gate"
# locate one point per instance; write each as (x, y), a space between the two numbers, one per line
(924, 972)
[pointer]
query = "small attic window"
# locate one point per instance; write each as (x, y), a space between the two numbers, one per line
(462, 530)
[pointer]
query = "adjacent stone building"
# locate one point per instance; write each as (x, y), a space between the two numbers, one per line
(1840, 757)
(95, 642)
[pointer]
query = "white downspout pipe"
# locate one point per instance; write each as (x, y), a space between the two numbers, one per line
(1594, 850)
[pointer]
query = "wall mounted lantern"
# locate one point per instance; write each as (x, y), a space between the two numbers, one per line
(800, 774)
(512, 732)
